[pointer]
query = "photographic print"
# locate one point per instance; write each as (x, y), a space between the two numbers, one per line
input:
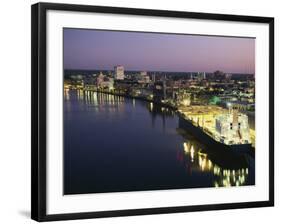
(144, 111)
(157, 111)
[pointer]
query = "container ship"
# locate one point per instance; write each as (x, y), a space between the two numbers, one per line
(217, 128)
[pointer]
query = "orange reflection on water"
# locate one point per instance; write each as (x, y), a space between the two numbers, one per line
(201, 162)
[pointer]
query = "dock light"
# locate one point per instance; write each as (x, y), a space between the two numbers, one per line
(186, 102)
(229, 104)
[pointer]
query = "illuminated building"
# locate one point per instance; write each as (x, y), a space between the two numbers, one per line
(100, 79)
(143, 73)
(143, 77)
(119, 72)
(233, 128)
(104, 82)
(108, 83)
(201, 75)
(228, 76)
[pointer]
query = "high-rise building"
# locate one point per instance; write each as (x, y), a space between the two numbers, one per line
(201, 75)
(191, 76)
(119, 72)
(153, 78)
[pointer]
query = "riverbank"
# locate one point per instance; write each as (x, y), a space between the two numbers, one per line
(138, 98)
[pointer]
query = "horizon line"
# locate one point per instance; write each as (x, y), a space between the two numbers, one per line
(133, 70)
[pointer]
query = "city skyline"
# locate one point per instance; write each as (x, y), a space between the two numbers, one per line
(97, 49)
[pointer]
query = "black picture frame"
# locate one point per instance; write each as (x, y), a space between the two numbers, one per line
(38, 108)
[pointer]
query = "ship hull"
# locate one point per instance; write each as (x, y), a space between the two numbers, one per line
(212, 144)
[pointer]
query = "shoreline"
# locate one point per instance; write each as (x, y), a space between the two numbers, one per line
(136, 97)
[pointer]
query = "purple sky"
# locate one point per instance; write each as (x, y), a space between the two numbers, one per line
(95, 49)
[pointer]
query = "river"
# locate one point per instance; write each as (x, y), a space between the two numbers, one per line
(115, 144)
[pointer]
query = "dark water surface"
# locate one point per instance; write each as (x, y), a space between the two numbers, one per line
(114, 144)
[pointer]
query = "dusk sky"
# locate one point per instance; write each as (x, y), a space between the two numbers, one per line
(102, 50)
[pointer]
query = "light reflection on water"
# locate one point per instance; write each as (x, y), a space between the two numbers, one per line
(223, 177)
